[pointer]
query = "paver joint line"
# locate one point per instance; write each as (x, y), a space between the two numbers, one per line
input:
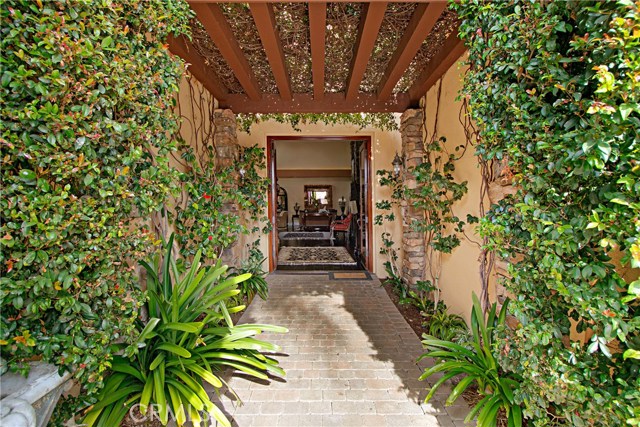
(349, 355)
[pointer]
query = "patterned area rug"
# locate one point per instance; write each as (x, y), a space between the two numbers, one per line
(321, 256)
(296, 235)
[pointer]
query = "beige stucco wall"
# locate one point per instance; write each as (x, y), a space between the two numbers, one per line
(460, 269)
(384, 146)
(195, 106)
(320, 154)
(191, 117)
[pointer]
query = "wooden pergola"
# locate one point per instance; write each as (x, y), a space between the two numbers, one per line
(385, 97)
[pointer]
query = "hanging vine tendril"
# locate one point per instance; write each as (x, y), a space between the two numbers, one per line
(433, 196)
(213, 193)
(486, 257)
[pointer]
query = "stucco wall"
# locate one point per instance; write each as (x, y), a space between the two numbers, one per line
(189, 117)
(196, 107)
(320, 154)
(460, 269)
(384, 146)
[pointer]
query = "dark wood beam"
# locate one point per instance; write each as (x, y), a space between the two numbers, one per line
(306, 103)
(370, 21)
(265, 20)
(317, 26)
(213, 20)
(314, 173)
(420, 25)
(183, 48)
(451, 51)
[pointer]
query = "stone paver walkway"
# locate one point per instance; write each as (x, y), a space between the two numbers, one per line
(350, 359)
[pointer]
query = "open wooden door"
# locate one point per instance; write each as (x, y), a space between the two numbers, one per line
(361, 194)
(273, 204)
(364, 220)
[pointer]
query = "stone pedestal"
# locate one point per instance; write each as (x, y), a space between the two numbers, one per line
(29, 402)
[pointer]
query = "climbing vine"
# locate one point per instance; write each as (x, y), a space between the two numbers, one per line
(429, 189)
(223, 192)
(382, 121)
(86, 99)
(557, 99)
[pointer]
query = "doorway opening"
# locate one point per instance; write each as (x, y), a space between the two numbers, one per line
(320, 202)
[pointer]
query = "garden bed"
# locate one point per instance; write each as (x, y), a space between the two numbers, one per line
(410, 313)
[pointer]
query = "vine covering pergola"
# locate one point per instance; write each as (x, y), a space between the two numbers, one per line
(312, 57)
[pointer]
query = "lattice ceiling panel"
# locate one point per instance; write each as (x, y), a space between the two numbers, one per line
(213, 58)
(293, 27)
(430, 47)
(244, 29)
(395, 21)
(343, 20)
(353, 56)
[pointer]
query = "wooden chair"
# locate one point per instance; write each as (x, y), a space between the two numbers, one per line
(341, 225)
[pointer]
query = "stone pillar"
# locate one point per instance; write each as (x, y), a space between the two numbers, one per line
(227, 152)
(501, 187)
(413, 265)
(225, 137)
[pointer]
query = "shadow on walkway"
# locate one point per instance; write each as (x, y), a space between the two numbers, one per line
(350, 359)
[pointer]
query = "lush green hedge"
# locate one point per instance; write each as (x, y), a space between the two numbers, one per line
(87, 90)
(554, 87)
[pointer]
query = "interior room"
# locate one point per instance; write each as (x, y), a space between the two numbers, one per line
(317, 203)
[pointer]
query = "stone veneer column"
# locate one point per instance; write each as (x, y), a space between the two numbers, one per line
(413, 265)
(501, 187)
(227, 151)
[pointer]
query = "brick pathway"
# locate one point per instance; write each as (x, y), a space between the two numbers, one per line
(349, 357)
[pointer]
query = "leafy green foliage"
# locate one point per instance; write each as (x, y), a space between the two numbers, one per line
(431, 189)
(207, 222)
(382, 121)
(420, 297)
(447, 326)
(188, 338)
(554, 89)
(256, 284)
(86, 97)
(435, 193)
(477, 363)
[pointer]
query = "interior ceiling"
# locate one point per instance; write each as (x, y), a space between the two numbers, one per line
(319, 57)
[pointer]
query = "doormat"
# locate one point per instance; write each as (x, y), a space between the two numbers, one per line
(296, 235)
(322, 256)
(355, 275)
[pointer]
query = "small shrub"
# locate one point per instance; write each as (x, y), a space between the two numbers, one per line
(478, 365)
(188, 338)
(256, 283)
(447, 326)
